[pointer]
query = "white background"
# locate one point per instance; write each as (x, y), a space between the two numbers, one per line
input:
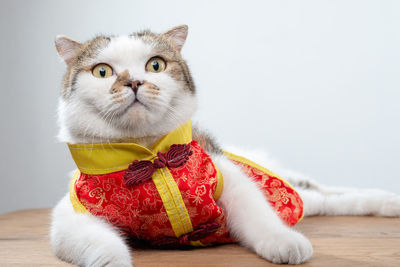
(315, 83)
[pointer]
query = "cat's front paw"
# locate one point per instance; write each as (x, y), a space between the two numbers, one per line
(390, 207)
(109, 256)
(288, 247)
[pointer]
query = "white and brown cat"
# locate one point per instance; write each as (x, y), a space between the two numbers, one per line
(110, 95)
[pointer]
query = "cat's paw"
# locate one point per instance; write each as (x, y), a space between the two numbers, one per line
(107, 263)
(111, 254)
(116, 255)
(390, 207)
(288, 247)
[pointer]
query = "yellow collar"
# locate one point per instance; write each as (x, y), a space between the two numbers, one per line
(112, 157)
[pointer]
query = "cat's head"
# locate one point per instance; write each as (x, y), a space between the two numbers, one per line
(118, 88)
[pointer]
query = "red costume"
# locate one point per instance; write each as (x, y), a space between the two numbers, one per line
(167, 196)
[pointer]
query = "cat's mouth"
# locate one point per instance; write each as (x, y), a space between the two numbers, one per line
(135, 103)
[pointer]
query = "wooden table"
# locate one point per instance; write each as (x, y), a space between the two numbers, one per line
(338, 241)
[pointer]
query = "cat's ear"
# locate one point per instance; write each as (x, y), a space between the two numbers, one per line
(178, 36)
(67, 47)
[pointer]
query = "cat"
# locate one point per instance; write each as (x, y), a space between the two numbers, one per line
(137, 89)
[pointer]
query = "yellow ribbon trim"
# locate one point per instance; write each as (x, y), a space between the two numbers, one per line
(220, 184)
(260, 168)
(173, 202)
(197, 244)
(76, 204)
(112, 157)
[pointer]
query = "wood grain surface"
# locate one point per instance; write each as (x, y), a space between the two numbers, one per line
(337, 241)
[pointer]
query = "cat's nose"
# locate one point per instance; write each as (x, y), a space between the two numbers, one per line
(134, 85)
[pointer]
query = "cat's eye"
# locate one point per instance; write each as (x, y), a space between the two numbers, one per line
(156, 64)
(102, 71)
